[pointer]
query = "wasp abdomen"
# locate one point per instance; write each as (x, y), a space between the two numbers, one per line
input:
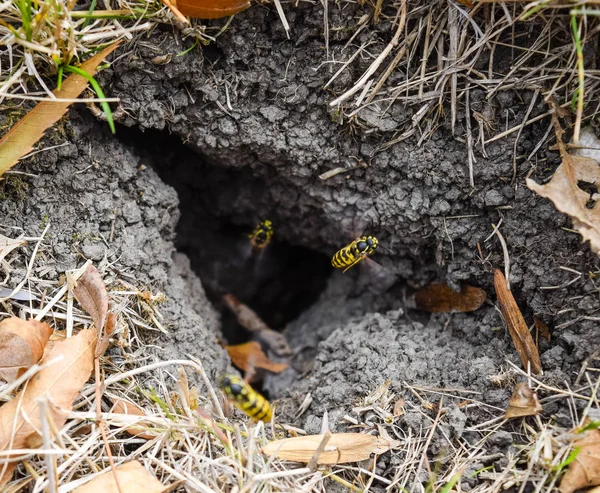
(245, 398)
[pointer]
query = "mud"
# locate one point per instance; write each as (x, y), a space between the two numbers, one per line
(258, 133)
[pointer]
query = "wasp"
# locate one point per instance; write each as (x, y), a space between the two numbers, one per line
(262, 234)
(353, 253)
(245, 398)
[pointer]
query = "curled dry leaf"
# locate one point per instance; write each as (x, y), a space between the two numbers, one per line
(340, 449)
(584, 471)
(249, 319)
(523, 402)
(22, 344)
(441, 298)
(70, 364)
(250, 355)
(91, 294)
(24, 135)
(211, 9)
(564, 191)
(133, 478)
(130, 409)
(516, 324)
(541, 327)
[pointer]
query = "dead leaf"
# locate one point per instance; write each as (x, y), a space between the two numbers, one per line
(133, 478)
(516, 325)
(250, 355)
(22, 344)
(106, 334)
(542, 328)
(130, 409)
(91, 294)
(564, 191)
(7, 244)
(523, 402)
(211, 9)
(249, 319)
(341, 448)
(441, 298)
(584, 471)
(399, 407)
(59, 383)
(24, 135)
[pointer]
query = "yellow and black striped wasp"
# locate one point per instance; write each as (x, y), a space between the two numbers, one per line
(245, 398)
(353, 253)
(262, 234)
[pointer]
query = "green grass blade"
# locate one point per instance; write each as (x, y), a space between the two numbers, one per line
(98, 90)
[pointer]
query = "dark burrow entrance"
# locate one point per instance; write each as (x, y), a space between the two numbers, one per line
(279, 283)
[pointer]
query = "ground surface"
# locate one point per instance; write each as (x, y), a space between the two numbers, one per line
(261, 157)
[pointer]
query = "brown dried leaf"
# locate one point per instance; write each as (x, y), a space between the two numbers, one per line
(441, 298)
(91, 294)
(542, 328)
(22, 344)
(249, 319)
(129, 408)
(516, 324)
(133, 478)
(250, 355)
(523, 402)
(59, 383)
(106, 334)
(211, 9)
(563, 190)
(341, 448)
(584, 471)
(23, 136)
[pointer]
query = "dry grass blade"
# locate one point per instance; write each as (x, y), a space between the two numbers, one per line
(24, 135)
(211, 9)
(250, 355)
(563, 190)
(133, 478)
(441, 298)
(523, 402)
(340, 449)
(584, 471)
(22, 344)
(59, 382)
(7, 245)
(516, 325)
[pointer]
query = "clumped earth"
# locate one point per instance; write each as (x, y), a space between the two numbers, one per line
(251, 132)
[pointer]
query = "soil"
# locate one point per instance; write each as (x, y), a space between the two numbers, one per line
(241, 129)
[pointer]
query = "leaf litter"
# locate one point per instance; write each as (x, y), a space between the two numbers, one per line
(22, 344)
(133, 478)
(249, 355)
(564, 191)
(69, 366)
(523, 402)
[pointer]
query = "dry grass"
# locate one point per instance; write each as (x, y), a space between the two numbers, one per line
(201, 444)
(446, 62)
(439, 55)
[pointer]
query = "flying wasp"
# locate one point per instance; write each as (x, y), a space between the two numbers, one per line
(353, 253)
(245, 398)
(262, 234)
